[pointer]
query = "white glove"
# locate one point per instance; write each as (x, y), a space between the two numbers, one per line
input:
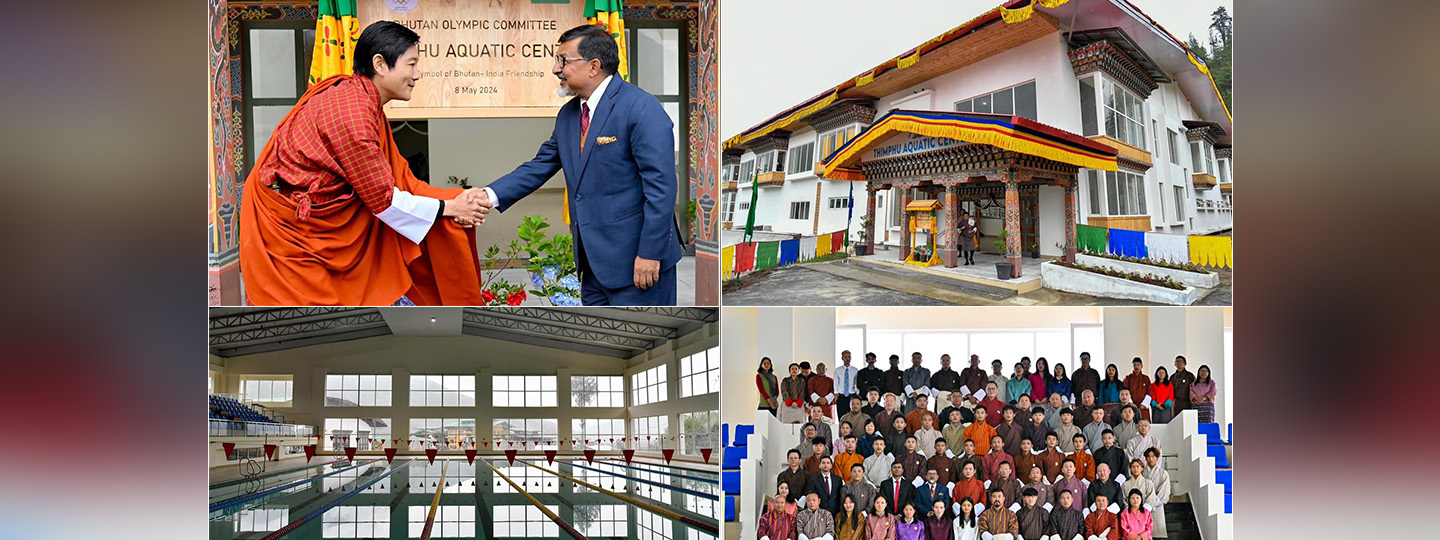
(1015, 507)
(987, 484)
(1119, 479)
(1113, 508)
(1048, 507)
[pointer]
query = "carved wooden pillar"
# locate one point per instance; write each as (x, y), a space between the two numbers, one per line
(869, 219)
(951, 254)
(1070, 211)
(905, 197)
(1012, 222)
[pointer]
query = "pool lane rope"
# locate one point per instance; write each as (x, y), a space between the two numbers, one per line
(435, 503)
(563, 525)
(318, 511)
(666, 473)
(271, 491)
(708, 527)
(686, 491)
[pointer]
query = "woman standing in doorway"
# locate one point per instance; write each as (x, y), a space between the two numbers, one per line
(1202, 395)
(767, 385)
(1111, 385)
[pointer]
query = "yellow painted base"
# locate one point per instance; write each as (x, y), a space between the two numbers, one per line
(934, 259)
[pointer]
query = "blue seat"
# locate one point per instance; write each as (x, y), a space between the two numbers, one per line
(730, 482)
(1218, 452)
(1211, 433)
(729, 508)
(724, 435)
(1228, 509)
(1229, 433)
(742, 432)
(732, 457)
(1225, 478)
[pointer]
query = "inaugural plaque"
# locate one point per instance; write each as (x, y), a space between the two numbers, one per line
(480, 58)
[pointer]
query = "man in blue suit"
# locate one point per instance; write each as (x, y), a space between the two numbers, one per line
(616, 145)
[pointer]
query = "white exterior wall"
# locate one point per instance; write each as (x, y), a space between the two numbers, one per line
(1046, 61)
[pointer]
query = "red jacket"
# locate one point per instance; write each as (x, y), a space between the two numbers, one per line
(1162, 392)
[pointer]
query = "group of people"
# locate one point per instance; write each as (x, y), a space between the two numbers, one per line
(990, 464)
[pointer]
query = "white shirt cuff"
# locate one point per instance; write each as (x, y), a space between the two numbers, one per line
(490, 193)
(410, 215)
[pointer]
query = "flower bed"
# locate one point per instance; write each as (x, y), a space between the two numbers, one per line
(1186, 267)
(1109, 283)
(1198, 277)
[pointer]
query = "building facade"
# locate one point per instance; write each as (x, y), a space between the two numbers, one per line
(1111, 77)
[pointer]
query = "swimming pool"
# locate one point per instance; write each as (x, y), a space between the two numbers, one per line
(492, 498)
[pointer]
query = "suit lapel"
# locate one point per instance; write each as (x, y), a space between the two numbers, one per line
(570, 123)
(602, 113)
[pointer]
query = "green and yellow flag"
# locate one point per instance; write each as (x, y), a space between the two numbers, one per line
(336, 31)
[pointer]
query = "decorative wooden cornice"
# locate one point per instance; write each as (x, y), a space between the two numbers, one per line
(778, 140)
(1105, 57)
(843, 113)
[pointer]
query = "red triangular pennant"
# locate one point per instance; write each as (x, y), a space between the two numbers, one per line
(510, 455)
(229, 448)
(309, 452)
(629, 454)
(350, 453)
(590, 456)
(668, 453)
(550, 456)
(470, 455)
(705, 452)
(430, 454)
(390, 455)
(270, 451)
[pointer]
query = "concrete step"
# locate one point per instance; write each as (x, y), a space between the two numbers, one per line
(989, 291)
(1180, 521)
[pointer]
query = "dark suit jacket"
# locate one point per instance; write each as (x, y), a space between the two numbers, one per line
(887, 490)
(622, 185)
(829, 500)
(924, 500)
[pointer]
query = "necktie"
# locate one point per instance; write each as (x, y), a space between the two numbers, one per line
(827, 484)
(584, 123)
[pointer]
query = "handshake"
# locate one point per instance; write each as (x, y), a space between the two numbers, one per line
(469, 208)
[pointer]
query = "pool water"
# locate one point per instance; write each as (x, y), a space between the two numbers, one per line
(369, 498)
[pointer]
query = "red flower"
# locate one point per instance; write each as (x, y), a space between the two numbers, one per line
(515, 298)
(487, 297)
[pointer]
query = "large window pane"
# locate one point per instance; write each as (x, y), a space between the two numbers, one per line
(1004, 102)
(1087, 107)
(657, 59)
(1025, 105)
(272, 63)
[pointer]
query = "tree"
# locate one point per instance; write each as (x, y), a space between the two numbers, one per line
(1217, 55)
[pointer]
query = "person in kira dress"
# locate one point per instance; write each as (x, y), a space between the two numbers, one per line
(778, 521)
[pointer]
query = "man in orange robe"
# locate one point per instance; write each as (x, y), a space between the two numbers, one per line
(331, 213)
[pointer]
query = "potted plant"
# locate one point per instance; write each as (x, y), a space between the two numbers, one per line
(1034, 250)
(552, 262)
(861, 247)
(1002, 268)
(494, 290)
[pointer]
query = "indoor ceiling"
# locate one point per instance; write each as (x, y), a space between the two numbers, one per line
(620, 332)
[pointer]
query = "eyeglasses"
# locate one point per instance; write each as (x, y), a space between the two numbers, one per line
(561, 60)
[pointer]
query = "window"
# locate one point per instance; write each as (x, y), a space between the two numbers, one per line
(745, 206)
(266, 390)
(851, 337)
(443, 430)
(353, 390)
(1126, 192)
(597, 391)
(1016, 100)
(1054, 344)
(524, 390)
(727, 206)
(276, 72)
(700, 373)
(832, 141)
(1092, 183)
(1087, 338)
(765, 163)
(1174, 146)
(536, 432)
(1224, 166)
(780, 161)
(602, 520)
(442, 390)
(607, 434)
(896, 210)
(699, 430)
(706, 505)
(1203, 157)
(839, 203)
(650, 431)
(263, 520)
(1124, 115)
(648, 386)
(450, 521)
(800, 210)
(357, 432)
(649, 526)
(349, 479)
(658, 65)
(747, 172)
(356, 522)
(529, 478)
(1179, 203)
(802, 158)
(1088, 124)
(425, 477)
(728, 173)
(521, 521)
